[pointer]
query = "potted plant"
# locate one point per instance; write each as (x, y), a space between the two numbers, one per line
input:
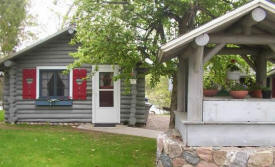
(266, 93)
(256, 91)
(233, 71)
(210, 88)
(238, 91)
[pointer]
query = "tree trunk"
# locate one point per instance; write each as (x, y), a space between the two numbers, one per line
(173, 105)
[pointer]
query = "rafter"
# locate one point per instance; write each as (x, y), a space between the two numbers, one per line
(234, 51)
(213, 52)
(249, 62)
(242, 39)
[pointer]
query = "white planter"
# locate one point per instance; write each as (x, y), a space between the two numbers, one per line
(233, 75)
(133, 81)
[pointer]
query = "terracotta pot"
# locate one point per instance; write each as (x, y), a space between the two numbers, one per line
(210, 92)
(239, 94)
(256, 93)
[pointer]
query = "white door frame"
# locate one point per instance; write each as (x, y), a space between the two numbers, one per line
(95, 97)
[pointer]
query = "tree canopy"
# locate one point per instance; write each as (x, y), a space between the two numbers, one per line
(12, 16)
(129, 33)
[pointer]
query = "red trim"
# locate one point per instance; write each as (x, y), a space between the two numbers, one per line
(29, 89)
(79, 90)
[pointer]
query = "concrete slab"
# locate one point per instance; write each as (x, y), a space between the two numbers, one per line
(125, 130)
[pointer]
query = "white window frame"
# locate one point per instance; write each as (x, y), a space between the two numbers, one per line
(38, 68)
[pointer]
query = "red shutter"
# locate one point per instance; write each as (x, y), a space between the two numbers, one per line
(79, 89)
(29, 83)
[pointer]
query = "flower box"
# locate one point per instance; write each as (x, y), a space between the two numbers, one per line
(44, 102)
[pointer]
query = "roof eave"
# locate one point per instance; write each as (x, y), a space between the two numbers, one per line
(239, 12)
(33, 45)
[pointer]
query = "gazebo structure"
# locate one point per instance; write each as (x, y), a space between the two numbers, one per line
(217, 121)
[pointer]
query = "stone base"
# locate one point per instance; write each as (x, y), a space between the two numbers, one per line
(171, 152)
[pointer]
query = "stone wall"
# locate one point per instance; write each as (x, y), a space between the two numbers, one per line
(172, 153)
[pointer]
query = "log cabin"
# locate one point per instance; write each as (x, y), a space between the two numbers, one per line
(37, 90)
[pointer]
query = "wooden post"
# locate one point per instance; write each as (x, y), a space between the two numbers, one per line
(195, 85)
(181, 85)
(261, 69)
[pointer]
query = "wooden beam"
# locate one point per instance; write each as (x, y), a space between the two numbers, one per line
(8, 63)
(268, 25)
(249, 62)
(202, 40)
(269, 54)
(272, 47)
(234, 51)
(176, 53)
(243, 39)
(213, 52)
(195, 85)
(256, 16)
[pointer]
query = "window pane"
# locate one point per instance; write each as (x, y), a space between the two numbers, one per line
(47, 83)
(106, 98)
(54, 83)
(106, 80)
(62, 84)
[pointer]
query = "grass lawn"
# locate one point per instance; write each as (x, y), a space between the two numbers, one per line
(1, 116)
(47, 146)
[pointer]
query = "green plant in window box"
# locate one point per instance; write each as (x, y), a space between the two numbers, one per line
(210, 88)
(238, 91)
(59, 101)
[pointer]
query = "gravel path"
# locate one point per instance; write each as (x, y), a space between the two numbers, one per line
(158, 122)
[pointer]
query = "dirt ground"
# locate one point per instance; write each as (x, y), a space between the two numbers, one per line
(158, 122)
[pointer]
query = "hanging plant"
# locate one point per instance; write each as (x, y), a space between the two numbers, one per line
(233, 71)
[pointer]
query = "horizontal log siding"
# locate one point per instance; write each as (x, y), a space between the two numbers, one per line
(56, 53)
(6, 96)
(52, 53)
(140, 104)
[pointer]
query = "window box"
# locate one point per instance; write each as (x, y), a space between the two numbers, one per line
(53, 102)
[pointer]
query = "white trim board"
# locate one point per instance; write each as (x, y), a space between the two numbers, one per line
(52, 68)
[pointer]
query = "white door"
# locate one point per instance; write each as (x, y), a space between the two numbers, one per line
(106, 95)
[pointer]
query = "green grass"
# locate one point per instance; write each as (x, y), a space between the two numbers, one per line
(1, 115)
(46, 146)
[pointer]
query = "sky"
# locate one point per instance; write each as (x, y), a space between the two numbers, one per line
(48, 15)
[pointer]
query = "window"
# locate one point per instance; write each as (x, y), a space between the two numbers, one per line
(53, 83)
(106, 89)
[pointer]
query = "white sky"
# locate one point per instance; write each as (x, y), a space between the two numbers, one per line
(48, 16)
